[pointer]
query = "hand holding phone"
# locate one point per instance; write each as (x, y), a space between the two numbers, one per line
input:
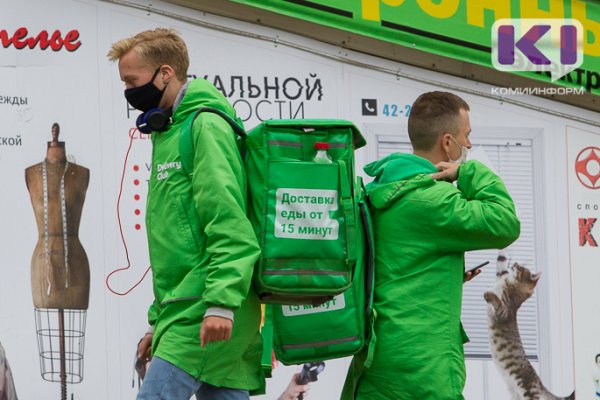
(483, 264)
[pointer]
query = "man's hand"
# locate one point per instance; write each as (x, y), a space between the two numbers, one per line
(448, 171)
(215, 329)
(470, 275)
(144, 355)
(294, 389)
(144, 347)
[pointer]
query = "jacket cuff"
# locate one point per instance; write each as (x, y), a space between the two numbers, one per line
(219, 312)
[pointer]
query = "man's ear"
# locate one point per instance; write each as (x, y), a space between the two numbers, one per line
(445, 142)
(166, 73)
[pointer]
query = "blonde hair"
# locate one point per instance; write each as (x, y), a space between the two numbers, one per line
(156, 47)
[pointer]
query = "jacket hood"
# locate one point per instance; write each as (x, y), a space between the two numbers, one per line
(201, 93)
(396, 175)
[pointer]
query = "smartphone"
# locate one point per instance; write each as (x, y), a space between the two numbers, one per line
(483, 264)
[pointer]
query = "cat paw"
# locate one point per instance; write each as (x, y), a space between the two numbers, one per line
(491, 298)
(502, 255)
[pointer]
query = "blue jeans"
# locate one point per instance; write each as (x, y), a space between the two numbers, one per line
(165, 381)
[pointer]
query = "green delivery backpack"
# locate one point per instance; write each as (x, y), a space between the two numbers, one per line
(305, 214)
(314, 229)
(337, 328)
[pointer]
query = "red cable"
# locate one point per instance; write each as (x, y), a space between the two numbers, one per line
(131, 136)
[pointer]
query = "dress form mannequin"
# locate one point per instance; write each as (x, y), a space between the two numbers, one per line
(60, 277)
(60, 273)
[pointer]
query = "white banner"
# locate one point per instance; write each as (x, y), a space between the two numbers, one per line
(584, 233)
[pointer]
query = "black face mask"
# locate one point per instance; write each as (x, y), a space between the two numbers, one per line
(145, 97)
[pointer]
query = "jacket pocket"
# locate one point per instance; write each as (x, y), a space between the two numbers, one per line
(187, 237)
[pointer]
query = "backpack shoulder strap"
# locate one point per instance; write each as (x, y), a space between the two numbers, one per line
(186, 144)
(370, 312)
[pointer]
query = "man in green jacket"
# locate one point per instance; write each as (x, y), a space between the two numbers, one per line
(205, 315)
(423, 225)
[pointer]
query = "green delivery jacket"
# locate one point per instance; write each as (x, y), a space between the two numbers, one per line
(202, 247)
(422, 229)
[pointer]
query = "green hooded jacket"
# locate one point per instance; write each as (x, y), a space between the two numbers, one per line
(202, 247)
(422, 229)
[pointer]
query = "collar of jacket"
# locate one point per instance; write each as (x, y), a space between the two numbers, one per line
(395, 175)
(196, 94)
(180, 95)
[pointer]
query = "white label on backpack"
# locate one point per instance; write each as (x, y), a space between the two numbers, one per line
(305, 214)
(337, 303)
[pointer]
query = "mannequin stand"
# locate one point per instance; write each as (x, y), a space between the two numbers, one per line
(61, 340)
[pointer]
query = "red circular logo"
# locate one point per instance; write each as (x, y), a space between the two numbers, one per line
(587, 167)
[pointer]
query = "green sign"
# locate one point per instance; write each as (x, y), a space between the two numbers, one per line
(459, 29)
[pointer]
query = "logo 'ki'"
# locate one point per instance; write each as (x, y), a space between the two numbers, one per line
(552, 45)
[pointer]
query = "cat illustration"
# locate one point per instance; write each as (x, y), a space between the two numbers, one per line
(514, 285)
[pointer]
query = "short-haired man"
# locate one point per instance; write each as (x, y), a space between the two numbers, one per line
(205, 315)
(423, 226)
